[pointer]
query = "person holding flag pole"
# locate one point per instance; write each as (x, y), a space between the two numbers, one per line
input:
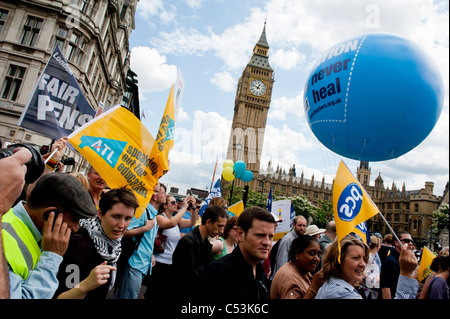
(352, 206)
(346, 260)
(344, 267)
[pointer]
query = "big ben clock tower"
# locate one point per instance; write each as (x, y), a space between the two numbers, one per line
(251, 106)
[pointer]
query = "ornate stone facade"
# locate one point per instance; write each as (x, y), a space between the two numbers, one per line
(94, 37)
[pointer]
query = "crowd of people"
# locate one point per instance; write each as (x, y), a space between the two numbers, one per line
(69, 236)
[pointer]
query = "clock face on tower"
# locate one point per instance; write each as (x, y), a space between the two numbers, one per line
(257, 87)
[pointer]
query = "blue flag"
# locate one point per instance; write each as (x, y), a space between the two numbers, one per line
(269, 201)
(57, 105)
(216, 191)
(362, 232)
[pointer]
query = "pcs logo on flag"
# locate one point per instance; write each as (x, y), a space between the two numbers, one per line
(349, 203)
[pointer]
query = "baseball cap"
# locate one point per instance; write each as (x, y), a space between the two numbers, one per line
(66, 190)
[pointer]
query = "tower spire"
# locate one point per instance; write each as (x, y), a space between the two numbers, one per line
(260, 58)
(263, 39)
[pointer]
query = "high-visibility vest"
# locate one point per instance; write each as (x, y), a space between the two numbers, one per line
(21, 249)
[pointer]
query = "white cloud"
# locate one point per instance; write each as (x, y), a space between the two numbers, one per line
(204, 141)
(154, 74)
(224, 81)
(284, 145)
(183, 116)
(286, 59)
(314, 24)
(148, 9)
(283, 106)
(194, 4)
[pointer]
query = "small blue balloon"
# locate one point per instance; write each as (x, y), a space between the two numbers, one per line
(373, 97)
(247, 176)
(239, 168)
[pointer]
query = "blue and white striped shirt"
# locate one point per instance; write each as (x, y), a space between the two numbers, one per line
(338, 288)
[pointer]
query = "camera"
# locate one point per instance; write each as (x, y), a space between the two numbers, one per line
(35, 166)
(68, 161)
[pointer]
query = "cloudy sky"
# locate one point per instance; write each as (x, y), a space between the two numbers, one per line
(211, 41)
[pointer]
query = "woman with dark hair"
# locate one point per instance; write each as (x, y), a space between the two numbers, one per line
(294, 280)
(435, 267)
(225, 243)
(94, 250)
(438, 285)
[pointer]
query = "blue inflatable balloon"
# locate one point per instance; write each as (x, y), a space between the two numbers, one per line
(239, 168)
(373, 97)
(247, 176)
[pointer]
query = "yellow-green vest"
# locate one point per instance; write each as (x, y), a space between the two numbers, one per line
(21, 249)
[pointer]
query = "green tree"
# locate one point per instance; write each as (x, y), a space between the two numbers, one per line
(302, 206)
(440, 220)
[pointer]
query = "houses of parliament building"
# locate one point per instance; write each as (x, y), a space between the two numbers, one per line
(409, 210)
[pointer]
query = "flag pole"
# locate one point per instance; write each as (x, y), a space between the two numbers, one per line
(390, 228)
(15, 133)
(51, 155)
(214, 174)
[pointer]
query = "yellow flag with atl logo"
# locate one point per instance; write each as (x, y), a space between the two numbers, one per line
(165, 138)
(351, 204)
(425, 263)
(118, 146)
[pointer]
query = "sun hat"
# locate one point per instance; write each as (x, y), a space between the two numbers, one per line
(312, 230)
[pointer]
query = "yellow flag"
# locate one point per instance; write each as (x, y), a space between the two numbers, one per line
(118, 145)
(237, 208)
(362, 232)
(425, 263)
(351, 204)
(164, 139)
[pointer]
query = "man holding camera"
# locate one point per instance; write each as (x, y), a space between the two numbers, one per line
(36, 232)
(13, 172)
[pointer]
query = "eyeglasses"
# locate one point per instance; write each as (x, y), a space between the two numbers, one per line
(197, 207)
(173, 202)
(407, 240)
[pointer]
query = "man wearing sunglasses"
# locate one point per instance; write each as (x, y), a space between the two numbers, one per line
(390, 269)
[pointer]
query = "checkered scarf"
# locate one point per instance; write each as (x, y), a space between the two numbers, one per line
(107, 248)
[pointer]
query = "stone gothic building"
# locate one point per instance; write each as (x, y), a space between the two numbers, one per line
(94, 37)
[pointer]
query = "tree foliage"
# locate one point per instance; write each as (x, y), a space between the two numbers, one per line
(320, 215)
(440, 220)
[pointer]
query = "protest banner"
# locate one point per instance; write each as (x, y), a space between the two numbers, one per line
(178, 93)
(118, 145)
(216, 191)
(281, 210)
(165, 138)
(57, 105)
